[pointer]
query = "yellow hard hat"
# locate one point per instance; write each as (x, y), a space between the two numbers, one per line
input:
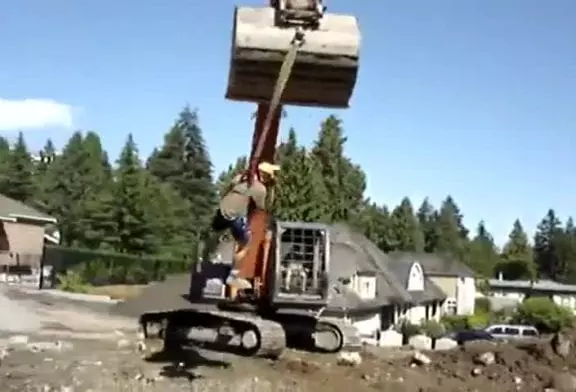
(268, 168)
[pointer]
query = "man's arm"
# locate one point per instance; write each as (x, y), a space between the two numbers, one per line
(258, 194)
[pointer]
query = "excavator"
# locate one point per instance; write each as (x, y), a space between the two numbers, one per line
(290, 52)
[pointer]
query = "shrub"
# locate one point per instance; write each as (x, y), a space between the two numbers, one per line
(109, 268)
(544, 314)
(478, 320)
(482, 305)
(407, 329)
(73, 282)
(433, 329)
(455, 323)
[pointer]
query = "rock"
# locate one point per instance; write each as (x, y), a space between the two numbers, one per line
(561, 345)
(346, 358)
(445, 344)
(50, 346)
(476, 371)
(517, 380)
(390, 338)
(563, 382)
(18, 340)
(420, 342)
(420, 359)
(141, 347)
(485, 359)
(123, 343)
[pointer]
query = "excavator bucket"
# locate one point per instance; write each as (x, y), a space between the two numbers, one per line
(324, 74)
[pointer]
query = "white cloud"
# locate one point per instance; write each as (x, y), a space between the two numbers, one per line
(26, 114)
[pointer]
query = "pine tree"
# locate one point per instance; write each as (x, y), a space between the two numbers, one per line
(482, 255)
(19, 182)
(427, 217)
(548, 233)
(452, 235)
(344, 181)
(407, 235)
(184, 162)
(4, 164)
(132, 197)
(517, 257)
(299, 196)
(376, 223)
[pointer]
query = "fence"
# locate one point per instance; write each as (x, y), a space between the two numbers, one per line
(21, 269)
(104, 268)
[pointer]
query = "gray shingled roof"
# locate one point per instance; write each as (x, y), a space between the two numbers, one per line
(437, 265)
(10, 208)
(400, 265)
(368, 258)
(537, 285)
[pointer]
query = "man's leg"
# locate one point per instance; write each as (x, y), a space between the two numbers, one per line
(239, 231)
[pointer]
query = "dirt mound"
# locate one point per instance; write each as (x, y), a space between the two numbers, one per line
(160, 296)
(482, 366)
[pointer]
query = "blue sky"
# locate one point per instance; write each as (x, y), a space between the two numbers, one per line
(473, 98)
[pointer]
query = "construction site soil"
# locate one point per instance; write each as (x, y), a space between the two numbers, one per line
(528, 366)
(108, 359)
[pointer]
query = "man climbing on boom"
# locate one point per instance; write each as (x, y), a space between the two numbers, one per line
(233, 211)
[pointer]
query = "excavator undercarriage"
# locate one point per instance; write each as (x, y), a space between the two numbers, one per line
(290, 315)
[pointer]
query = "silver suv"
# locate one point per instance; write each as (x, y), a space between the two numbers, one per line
(508, 331)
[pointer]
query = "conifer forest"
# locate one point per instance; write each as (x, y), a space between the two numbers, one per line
(162, 207)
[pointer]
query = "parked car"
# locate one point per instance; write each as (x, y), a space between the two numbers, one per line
(509, 331)
(469, 335)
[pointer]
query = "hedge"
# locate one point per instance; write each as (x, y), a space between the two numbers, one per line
(104, 268)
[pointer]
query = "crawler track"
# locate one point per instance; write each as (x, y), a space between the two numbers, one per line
(250, 334)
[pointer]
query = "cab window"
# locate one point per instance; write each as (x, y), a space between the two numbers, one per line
(512, 331)
(529, 332)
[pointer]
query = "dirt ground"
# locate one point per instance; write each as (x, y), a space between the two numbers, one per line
(76, 349)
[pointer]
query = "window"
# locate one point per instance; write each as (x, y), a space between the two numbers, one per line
(529, 332)
(496, 330)
(512, 331)
(366, 287)
(450, 306)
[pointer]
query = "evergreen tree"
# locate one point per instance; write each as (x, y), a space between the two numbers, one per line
(565, 250)
(548, 234)
(482, 253)
(427, 217)
(19, 181)
(452, 235)
(77, 189)
(184, 162)
(299, 196)
(4, 164)
(376, 223)
(517, 258)
(132, 197)
(407, 235)
(344, 181)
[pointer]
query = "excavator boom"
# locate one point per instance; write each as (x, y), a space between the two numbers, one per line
(289, 53)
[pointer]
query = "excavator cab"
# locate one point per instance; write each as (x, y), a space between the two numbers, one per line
(325, 71)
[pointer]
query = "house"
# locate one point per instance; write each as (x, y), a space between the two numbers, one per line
(371, 289)
(22, 233)
(512, 292)
(455, 279)
(375, 291)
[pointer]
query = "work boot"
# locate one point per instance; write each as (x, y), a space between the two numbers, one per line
(237, 282)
